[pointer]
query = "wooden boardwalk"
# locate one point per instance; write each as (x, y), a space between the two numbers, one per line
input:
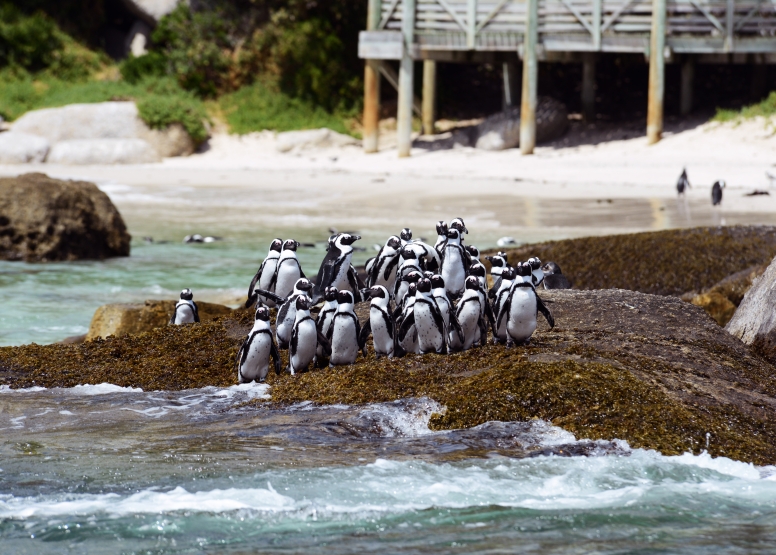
(728, 31)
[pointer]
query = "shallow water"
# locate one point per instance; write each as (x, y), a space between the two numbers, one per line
(102, 470)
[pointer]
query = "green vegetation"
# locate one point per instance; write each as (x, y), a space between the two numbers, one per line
(262, 106)
(765, 108)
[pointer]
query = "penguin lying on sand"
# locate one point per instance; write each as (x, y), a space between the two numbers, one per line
(258, 347)
(185, 310)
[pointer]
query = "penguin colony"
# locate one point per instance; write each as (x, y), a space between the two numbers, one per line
(423, 299)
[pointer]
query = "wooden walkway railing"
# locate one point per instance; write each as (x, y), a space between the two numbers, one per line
(430, 30)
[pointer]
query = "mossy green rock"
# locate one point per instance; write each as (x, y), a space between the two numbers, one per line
(652, 370)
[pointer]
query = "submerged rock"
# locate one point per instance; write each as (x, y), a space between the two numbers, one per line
(45, 219)
(133, 318)
(652, 370)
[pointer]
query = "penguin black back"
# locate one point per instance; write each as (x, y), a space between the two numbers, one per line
(716, 192)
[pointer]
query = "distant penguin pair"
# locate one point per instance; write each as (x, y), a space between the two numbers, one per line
(277, 274)
(186, 311)
(336, 269)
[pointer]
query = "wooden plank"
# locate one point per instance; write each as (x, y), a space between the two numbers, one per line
(387, 16)
(471, 23)
(406, 95)
(530, 80)
(428, 112)
(656, 72)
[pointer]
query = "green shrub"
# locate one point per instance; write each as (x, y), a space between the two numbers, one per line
(135, 69)
(262, 106)
(28, 42)
(765, 108)
(161, 111)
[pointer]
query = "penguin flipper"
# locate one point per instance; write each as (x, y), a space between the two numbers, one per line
(254, 281)
(325, 343)
(172, 318)
(301, 272)
(275, 354)
(196, 312)
(504, 311)
(364, 335)
(456, 325)
(489, 315)
(390, 266)
(406, 324)
(269, 295)
(541, 307)
(238, 360)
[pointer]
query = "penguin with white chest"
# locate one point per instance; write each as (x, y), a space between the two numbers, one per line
(498, 264)
(522, 307)
(287, 312)
(469, 314)
(345, 333)
(441, 229)
(382, 270)
(455, 264)
(406, 332)
(255, 352)
(537, 274)
(185, 309)
(288, 270)
(326, 315)
(430, 325)
(336, 269)
(409, 265)
(428, 257)
(305, 338)
(380, 324)
(505, 286)
(263, 277)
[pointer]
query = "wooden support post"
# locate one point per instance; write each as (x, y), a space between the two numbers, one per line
(471, 24)
(657, 45)
(688, 76)
(404, 115)
(729, 25)
(429, 96)
(597, 8)
(530, 78)
(510, 84)
(372, 87)
(588, 86)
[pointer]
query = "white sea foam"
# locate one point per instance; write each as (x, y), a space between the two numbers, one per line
(34, 389)
(102, 389)
(543, 483)
(406, 418)
(252, 390)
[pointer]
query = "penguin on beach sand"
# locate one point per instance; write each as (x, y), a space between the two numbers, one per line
(264, 276)
(185, 310)
(336, 269)
(255, 352)
(305, 337)
(380, 323)
(287, 271)
(682, 184)
(522, 307)
(716, 192)
(345, 333)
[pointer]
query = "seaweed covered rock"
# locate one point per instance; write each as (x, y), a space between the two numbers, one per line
(722, 299)
(133, 318)
(653, 370)
(45, 219)
(671, 262)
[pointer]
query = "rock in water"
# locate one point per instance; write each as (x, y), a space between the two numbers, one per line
(21, 148)
(754, 322)
(501, 131)
(44, 219)
(125, 319)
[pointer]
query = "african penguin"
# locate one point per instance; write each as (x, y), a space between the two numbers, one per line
(428, 257)
(507, 278)
(498, 264)
(537, 274)
(521, 308)
(185, 310)
(478, 270)
(441, 229)
(305, 337)
(457, 223)
(386, 263)
(407, 336)
(682, 184)
(258, 347)
(441, 297)
(345, 332)
(716, 192)
(469, 315)
(288, 270)
(336, 269)
(554, 278)
(380, 323)
(473, 252)
(263, 277)
(432, 331)
(409, 263)
(326, 315)
(403, 287)
(455, 264)
(284, 322)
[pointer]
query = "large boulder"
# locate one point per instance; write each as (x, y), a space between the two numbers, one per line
(754, 322)
(102, 151)
(44, 219)
(132, 318)
(313, 138)
(104, 121)
(22, 148)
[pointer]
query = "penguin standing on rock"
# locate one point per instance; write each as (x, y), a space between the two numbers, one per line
(326, 315)
(381, 270)
(469, 315)
(455, 264)
(716, 192)
(430, 325)
(380, 323)
(409, 265)
(288, 270)
(185, 310)
(305, 338)
(345, 333)
(441, 229)
(287, 312)
(498, 264)
(336, 269)
(428, 257)
(406, 332)
(264, 276)
(258, 347)
(457, 223)
(522, 307)
(507, 278)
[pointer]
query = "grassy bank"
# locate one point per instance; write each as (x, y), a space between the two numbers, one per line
(765, 108)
